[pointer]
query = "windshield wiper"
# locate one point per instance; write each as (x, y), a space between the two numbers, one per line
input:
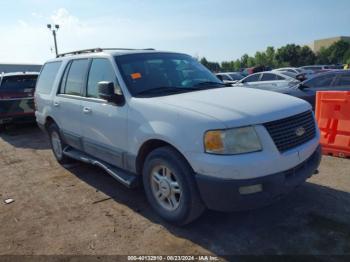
(209, 83)
(164, 89)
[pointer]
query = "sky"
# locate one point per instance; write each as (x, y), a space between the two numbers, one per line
(220, 30)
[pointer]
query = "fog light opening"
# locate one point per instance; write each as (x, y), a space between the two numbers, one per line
(247, 190)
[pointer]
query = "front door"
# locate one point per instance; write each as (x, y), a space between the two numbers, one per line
(104, 125)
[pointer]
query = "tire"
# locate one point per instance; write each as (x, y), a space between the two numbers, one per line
(57, 144)
(170, 186)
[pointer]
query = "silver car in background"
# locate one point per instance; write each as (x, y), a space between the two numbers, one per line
(270, 80)
(230, 77)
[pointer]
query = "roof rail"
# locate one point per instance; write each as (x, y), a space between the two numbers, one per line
(96, 50)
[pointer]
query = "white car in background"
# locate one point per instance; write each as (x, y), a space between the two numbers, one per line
(230, 77)
(269, 80)
(298, 71)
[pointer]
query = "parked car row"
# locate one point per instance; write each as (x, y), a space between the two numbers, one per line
(335, 80)
(164, 119)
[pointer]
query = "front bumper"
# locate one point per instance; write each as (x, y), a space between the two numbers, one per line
(224, 194)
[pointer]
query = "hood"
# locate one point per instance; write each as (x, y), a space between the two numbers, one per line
(236, 106)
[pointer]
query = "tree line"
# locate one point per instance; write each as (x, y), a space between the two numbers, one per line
(288, 55)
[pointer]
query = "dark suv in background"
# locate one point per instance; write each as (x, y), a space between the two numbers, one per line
(330, 81)
(17, 97)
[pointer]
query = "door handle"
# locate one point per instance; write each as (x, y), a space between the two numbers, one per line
(56, 104)
(87, 110)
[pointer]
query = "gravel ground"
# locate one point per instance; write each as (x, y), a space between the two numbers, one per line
(79, 209)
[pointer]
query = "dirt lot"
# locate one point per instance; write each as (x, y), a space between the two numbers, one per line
(79, 209)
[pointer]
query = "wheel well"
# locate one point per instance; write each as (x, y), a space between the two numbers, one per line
(48, 122)
(147, 148)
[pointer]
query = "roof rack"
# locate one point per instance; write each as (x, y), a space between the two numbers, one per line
(96, 50)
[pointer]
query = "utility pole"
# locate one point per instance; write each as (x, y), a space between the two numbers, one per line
(54, 29)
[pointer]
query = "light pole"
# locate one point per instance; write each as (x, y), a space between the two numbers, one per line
(54, 29)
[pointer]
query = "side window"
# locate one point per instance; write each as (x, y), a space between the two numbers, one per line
(64, 79)
(321, 81)
(280, 77)
(47, 77)
(76, 77)
(268, 77)
(100, 70)
(253, 78)
(344, 80)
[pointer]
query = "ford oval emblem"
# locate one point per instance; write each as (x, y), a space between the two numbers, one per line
(300, 131)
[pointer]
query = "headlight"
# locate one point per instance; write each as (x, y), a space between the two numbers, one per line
(232, 141)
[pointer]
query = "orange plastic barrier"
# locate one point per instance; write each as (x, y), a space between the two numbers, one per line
(333, 118)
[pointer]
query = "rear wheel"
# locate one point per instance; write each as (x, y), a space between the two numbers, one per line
(57, 144)
(170, 186)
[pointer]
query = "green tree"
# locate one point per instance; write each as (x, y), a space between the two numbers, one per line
(212, 66)
(271, 57)
(251, 62)
(237, 65)
(337, 52)
(260, 58)
(228, 66)
(346, 58)
(244, 60)
(288, 54)
(323, 56)
(306, 56)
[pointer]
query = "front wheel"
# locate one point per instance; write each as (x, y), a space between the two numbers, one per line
(170, 186)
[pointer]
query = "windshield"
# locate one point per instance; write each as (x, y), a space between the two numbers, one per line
(18, 83)
(164, 73)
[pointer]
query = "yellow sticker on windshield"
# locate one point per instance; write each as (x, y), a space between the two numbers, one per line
(135, 75)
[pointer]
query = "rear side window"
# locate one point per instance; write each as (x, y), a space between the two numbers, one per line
(321, 81)
(101, 70)
(76, 77)
(280, 77)
(253, 78)
(268, 77)
(344, 80)
(47, 77)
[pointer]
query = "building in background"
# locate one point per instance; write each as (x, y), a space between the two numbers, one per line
(9, 67)
(327, 42)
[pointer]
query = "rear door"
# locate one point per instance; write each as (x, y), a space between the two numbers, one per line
(17, 95)
(104, 125)
(67, 104)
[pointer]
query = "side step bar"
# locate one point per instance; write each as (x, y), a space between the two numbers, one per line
(127, 179)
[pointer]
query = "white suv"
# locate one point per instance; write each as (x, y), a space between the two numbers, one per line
(164, 119)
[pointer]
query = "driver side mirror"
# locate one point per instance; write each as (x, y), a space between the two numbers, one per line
(106, 92)
(301, 86)
(301, 77)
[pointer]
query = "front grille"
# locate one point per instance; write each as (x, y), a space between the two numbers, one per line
(284, 131)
